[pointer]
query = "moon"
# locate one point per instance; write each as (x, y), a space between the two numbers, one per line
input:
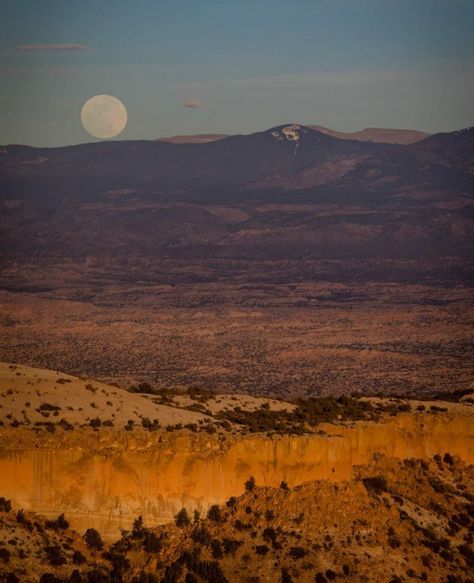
(104, 116)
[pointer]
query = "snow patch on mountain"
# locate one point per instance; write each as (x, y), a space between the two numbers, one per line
(291, 133)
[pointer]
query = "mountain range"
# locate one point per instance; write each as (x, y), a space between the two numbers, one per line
(274, 163)
(383, 198)
(379, 135)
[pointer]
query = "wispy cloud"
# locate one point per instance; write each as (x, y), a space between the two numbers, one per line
(53, 47)
(193, 103)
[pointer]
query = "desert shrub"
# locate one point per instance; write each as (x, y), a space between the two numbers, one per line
(78, 558)
(48, 425)
(297, 552)
(5, 505)
(22, 519)
(144, 388)
(201, 535)
(394, 542)
(239, 525)
(59, 524)
(190, 578)
(152, 542)
(375, 484)
(436, 409)
(261, 549)
(330, 575)
(438, 485)
(76, 577)
(231, 502)
(138, 529)
(146, 423)
(269, 534)
(93, 539)
(65, 425)
(448, 459)
(191, 558)
(172, 573)
(468, 554)
(182, 518)
(55, 555)
(285, 576)
(95, 423)
(214, 513)
(462, 520)
(284, 485)
(48, 407)
(216, 549)
(210, 571)
(5, 555)
(231, 545)
(250, 484)
(346, 570)
(320, 578)
(119, 562)
(269, 515)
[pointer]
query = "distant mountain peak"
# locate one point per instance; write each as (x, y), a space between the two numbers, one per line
(290, 133)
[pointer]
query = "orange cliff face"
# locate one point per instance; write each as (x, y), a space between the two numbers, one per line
(105, 479)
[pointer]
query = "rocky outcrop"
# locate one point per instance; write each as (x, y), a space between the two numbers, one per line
(106, 478)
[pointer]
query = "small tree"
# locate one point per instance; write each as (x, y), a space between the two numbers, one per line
(250, 484)
(93, 539)
(5, 505)
(138, 529)
(231, 502)
(182, 518)
(214, 513)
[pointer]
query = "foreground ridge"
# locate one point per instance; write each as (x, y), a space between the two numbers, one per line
(394, 521)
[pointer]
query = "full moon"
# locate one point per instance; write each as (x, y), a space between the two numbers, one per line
(104, 116)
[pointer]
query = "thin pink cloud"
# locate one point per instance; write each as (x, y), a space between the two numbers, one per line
(193, 103)
(53, 47)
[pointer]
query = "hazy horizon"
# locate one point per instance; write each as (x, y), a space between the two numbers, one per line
(217, 67)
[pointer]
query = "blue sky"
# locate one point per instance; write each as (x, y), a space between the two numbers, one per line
(244, 65)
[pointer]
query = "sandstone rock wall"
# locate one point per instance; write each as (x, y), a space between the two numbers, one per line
(104, 479)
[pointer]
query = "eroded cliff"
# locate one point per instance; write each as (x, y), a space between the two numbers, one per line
(106, 478)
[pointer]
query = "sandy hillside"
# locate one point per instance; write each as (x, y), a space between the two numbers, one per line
(30, 396)
(38, 395)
